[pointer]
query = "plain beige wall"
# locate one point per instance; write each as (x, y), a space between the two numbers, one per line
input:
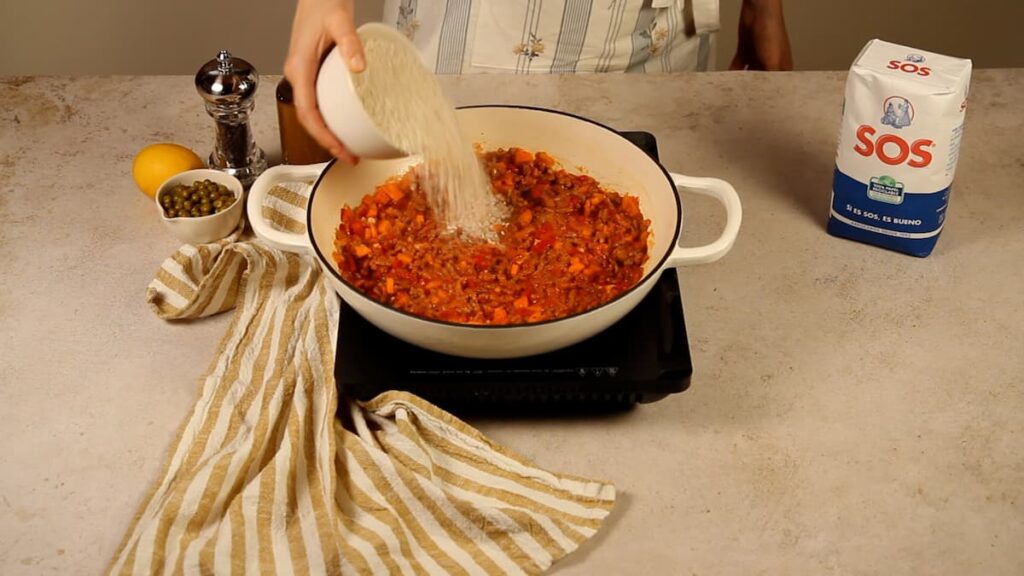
(178, 36)
(828, 34)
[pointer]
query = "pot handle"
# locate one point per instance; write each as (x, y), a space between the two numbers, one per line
(266, 232)
(724, 193)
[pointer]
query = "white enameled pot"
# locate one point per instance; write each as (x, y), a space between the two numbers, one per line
(577, 143)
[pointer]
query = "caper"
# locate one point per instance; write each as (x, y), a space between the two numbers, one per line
(201, 198)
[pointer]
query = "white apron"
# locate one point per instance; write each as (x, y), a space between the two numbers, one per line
(559, 36)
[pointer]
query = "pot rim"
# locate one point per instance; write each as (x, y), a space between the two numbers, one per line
(654, 271)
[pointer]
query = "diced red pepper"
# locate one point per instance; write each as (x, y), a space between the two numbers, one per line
(545, 238)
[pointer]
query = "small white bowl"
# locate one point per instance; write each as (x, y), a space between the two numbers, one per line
(341, 107)
(202, 229)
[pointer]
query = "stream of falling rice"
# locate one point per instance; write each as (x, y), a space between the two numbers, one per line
(406, 102)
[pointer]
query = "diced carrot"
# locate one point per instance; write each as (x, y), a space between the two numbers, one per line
(405, 258)
(513, 269)
(419, 218)
(575, 266)
(522, 302)
(526, 217)
(522, 156)
(362, 251)
(381, 196)
(500, 316)
(631, 205)
(394, 191)
(384, 227)
(545, 159)
(389, 285)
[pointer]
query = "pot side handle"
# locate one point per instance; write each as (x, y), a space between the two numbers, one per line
(264, 230)
(724, 193)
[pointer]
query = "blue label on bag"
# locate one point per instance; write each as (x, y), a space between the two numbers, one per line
(881, 212)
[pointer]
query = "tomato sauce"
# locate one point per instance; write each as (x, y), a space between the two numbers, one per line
(567, 246)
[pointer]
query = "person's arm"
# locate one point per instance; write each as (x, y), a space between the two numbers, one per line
(319, 25)
(762, 42)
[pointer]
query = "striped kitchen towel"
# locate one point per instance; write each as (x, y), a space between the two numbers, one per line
(263, 479)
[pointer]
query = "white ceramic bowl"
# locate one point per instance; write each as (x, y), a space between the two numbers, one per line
(203, 229)
(340, 106)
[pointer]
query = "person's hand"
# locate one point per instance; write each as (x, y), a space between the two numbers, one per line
(762, 42)
(318, 26)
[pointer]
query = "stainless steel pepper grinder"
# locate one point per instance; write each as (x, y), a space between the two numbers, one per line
(228, 85)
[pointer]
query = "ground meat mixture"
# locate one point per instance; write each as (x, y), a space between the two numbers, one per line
(567, 246)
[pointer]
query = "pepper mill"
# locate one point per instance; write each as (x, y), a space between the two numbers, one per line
(228, 85)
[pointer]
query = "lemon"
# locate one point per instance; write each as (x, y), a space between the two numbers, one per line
(158, 162)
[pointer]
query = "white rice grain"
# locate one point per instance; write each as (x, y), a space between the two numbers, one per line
(406, 102)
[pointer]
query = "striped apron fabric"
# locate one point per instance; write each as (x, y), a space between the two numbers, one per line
(559, 36)
(264, 479)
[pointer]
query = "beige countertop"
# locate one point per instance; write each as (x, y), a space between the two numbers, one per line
(852, 410)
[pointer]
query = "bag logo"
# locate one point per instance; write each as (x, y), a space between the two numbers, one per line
(899, 112)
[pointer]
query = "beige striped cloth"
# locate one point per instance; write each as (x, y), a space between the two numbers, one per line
(263, 479)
